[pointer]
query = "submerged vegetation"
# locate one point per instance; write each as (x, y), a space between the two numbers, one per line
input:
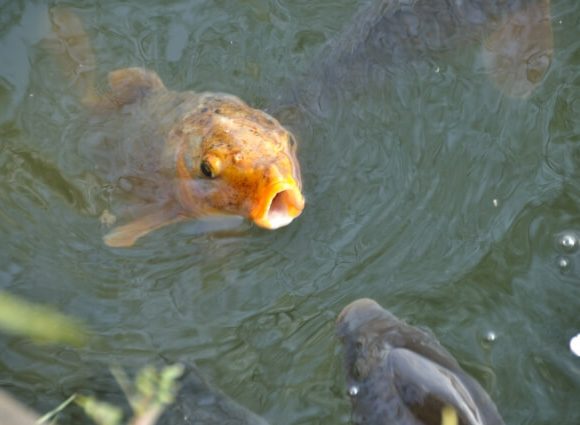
(39, 323)
(148, 395)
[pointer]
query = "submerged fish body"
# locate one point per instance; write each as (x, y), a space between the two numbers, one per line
(189, 155)
(516, 38)
(399, 374)
(518, 53)
(180, 155)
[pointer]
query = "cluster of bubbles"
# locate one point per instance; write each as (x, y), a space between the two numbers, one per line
(568, 242)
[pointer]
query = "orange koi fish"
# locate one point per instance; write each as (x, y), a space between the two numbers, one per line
(183, 155)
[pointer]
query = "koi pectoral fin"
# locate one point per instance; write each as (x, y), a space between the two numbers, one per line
(126, 235)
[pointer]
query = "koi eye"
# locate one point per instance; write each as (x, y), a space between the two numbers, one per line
(206, 170)
(211, 166)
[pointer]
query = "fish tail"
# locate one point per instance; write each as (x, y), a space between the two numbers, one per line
(74, 53)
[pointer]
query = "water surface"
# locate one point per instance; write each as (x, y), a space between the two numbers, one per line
(434, 194)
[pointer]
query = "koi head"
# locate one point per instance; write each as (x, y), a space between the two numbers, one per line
(239, 161)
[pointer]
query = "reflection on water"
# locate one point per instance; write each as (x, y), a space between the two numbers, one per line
(434, 194)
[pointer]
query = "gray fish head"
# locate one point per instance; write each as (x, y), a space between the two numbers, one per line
(398, 373)
(362, 327)
(367, 332)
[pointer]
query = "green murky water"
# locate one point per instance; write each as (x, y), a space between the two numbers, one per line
(436, 195)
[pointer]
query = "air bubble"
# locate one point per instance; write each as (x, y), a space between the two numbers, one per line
(568, 241)
(563, 263)
(490, 336)
(352, 391)
(575, 345)
(487, 339)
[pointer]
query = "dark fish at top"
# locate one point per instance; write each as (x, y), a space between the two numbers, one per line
(516, 38)
(400, 375)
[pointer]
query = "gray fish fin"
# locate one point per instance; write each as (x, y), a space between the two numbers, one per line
(426, 388)
(126, 235)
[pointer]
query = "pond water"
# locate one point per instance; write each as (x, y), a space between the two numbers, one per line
(433, 193)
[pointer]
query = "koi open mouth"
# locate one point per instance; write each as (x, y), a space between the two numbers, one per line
(283, 205)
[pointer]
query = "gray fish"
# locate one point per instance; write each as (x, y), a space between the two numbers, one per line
(516, 38)
(399, 374)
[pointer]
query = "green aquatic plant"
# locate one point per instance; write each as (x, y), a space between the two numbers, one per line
(50, 417)
(149, 395)
(39, 323)
(100, 412)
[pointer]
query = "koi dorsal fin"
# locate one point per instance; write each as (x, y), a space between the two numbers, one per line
(127, 85)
